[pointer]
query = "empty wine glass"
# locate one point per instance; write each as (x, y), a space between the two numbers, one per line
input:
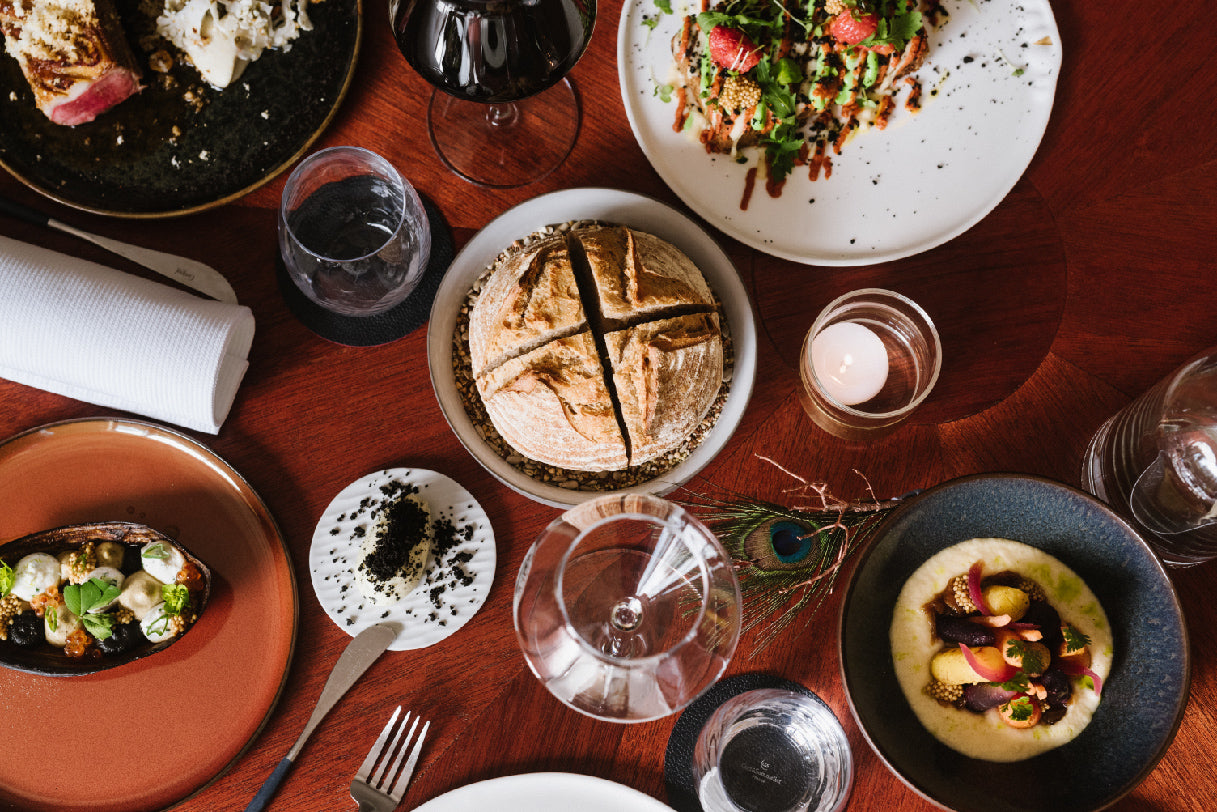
(627, 608)
(503, 114)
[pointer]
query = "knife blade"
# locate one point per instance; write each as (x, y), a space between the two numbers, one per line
(191, 273)
(368, 645)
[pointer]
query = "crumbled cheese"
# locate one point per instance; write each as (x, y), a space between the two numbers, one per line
(221, 37)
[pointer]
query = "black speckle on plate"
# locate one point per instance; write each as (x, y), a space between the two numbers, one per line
(129, 162)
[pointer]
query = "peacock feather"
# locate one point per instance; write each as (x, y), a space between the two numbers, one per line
(788, 558)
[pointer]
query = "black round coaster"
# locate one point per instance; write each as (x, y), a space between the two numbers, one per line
(399, 321)
(678, 758)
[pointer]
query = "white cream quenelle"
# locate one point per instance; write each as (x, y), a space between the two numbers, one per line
(162, 561)
(34, 574)
(157, 625)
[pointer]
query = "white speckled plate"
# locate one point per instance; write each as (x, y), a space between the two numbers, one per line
(457, 579)
(893, 193)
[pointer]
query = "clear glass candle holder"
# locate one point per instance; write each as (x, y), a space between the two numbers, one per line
(871, 357)
(773, 750)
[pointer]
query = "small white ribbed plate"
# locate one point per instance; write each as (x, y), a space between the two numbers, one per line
(458, 575)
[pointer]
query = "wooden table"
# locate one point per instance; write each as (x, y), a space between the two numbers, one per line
(1092, 280)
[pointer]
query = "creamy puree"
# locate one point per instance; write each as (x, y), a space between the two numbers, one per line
(985, 736)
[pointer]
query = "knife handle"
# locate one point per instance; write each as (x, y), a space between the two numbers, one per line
(14, 209)
(262, 799)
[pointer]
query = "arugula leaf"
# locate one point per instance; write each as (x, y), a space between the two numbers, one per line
(7, 579)
(176, 598)
(896, 31)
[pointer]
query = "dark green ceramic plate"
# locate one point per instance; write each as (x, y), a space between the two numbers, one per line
(131, 162)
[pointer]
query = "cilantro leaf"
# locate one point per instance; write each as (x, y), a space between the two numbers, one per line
(1021, 709)
(1074, 638)
(7, 579)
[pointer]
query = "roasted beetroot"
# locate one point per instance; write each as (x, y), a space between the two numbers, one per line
(985, 695)
(956, 629)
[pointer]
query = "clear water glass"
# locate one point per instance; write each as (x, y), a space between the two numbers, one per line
(773, 750)
(353, 233)
(1155, 462)
(627, 608)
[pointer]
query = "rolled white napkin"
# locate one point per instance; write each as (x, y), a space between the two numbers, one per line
(97, 334)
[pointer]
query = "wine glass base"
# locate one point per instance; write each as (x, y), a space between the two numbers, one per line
(527, 140)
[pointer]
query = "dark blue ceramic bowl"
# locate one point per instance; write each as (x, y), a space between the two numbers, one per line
(1143, 697)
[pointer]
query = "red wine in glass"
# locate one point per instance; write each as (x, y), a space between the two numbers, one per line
(503, 113)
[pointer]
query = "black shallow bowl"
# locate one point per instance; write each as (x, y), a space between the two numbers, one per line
(129, 162)
(1143, 698)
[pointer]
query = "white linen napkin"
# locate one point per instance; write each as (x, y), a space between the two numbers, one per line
(97, 334)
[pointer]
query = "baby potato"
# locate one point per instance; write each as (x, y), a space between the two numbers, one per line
(1007, 600)
(950, 666)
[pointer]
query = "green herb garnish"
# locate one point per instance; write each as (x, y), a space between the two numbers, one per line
(176, 598)
(156, 550)
(85, 600)
(1032, 659)
(1021, 709)
(7, 579)
(52, 617)
(664, 5)
(1075, 640)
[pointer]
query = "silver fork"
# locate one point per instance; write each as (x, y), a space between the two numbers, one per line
(377, 791)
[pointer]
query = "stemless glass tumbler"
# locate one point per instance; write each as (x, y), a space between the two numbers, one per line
(353, 233)
(627, 608)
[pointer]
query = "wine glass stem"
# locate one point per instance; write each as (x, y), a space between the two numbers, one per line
(502, 115)
(624, 619)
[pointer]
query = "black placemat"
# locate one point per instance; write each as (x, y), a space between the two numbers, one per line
(399, 321)
(678, 758)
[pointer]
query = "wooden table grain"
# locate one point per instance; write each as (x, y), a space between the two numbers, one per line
(1092, 280)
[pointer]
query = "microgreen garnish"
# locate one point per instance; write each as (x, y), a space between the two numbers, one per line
(52, 617)
(664, 5)
(7, 579)
(85, 601)
(156, 550)
(176, 598)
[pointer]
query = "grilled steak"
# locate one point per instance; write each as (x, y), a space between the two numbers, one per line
(73, 54)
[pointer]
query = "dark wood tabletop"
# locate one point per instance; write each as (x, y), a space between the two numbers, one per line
(1093, 279)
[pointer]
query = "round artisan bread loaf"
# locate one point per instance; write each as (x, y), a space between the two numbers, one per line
(596, 350)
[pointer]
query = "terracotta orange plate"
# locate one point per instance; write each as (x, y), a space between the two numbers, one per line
(154, 731)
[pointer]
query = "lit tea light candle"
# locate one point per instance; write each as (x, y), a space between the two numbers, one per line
(850, 361)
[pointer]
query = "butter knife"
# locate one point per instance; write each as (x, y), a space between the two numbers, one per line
(361, 653)
(191, 273)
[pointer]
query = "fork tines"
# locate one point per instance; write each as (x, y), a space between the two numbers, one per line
(390, 752)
